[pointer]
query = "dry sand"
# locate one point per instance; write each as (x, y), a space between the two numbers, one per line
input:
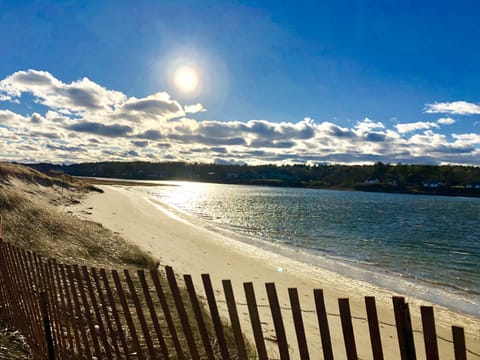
(193, 250)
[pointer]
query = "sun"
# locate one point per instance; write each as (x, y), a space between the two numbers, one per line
(186, 78)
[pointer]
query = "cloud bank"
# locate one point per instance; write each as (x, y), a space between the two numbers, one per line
(84, 121)
(456, 107)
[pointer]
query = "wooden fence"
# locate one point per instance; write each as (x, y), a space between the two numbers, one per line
(70, 312)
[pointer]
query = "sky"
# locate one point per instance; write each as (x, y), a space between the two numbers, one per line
(238, 82)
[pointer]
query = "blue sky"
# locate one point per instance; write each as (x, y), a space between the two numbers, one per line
(275, 82)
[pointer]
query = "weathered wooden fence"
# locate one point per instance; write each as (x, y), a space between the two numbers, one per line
(71, 311)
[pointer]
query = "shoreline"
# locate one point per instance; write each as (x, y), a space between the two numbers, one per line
(409, 286)
(190, 249)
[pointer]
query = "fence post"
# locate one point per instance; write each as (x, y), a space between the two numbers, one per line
(217, 323)
(47, 325)
(459, 343)
(298, 322)
(234, 320)
(166, 313)
(347, 328)
(429, 333)
(197, 310)
(255, 320)
(373, 327)
(323, 324)
(177, 297)
(404, 328)
(277, 321)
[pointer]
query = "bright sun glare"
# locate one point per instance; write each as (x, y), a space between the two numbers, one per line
(186, 78)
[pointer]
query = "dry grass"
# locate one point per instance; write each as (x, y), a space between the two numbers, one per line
(12, 345)
(29, 206)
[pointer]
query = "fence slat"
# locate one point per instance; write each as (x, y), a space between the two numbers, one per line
(277, 321)
(404, 328)
(140, 315)
(127, 314)
(153, 314)
(115, 313)
(217, 323)
(16, 286)
(198, 316)
(323, 324)
(12, 301)
(31, 299)
(374, 328)
(298, 322)
(429, 333)
(39, 335)
(234, 320)
(459, 343)
(255, 321)
(94, 304)
(8, 285)
(43, 286)
(103, 304)
(66, 321)
(347, 328)
(47, 325)
(4, 313)
(78, 310)
(86, 310)
(166, 313)
(172, 281)
(70, 307)
(35, 286)
(55, 313)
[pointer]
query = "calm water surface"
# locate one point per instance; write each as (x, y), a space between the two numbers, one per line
(434, 241)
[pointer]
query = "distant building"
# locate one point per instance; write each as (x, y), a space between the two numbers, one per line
(232, 175)
(433, 184)
(372, 181)
(474, 186)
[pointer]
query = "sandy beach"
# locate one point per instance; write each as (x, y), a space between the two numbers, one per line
(193, 250)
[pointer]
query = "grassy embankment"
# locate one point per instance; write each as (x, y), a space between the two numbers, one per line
(31, 205)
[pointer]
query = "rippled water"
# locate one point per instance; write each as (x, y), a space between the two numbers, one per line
(435, 240)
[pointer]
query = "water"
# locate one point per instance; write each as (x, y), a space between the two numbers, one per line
(432, 242)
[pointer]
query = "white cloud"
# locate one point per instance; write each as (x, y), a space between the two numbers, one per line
(410, 127)
(472, 138)
(446, 121)
(79, 96)
(192, 109)
(367, 125)
(455, 107)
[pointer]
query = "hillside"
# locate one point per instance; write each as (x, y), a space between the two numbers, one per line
(32, 204)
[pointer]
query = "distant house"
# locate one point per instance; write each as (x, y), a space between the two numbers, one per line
(474, 186)
(232, 175)
(372, 181)
(433, 184)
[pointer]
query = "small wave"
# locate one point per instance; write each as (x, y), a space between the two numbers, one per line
(460, 252)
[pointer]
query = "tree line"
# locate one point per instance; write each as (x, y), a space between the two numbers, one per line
(402, 178)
